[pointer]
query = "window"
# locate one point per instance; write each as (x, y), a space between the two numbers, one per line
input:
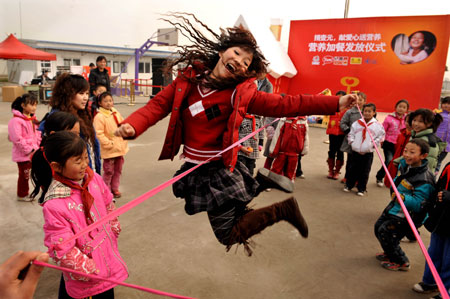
(116, 67)
(108, 63)
(76, 62)
(46, 64)
(67, 62)
(123, 67)
(144, 67)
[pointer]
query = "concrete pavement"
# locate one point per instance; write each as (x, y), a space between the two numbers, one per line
(166, 249)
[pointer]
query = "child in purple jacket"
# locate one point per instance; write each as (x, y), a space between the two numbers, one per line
(443, 131)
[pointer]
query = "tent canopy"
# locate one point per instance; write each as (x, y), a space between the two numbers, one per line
(279, 62)
(12, 48)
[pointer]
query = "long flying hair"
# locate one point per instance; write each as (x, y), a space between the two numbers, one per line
(203, 54)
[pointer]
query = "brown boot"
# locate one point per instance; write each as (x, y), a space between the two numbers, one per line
(257, 220)
(337, 168)
(330, 162)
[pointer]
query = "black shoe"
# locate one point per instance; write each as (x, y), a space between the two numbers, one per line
(278, 180)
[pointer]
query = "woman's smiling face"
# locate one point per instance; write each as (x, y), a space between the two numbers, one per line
(232, 61)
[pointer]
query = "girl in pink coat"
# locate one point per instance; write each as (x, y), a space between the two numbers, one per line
(392, 124)
(23, 133)
(74, 196)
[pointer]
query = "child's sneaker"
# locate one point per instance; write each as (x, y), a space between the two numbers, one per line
(117, 194)
(360, 193)
(424, 288)
(395, 267)
(346, 189)
(24, 199)
(380, 183)
(343, 181)
(382, 257)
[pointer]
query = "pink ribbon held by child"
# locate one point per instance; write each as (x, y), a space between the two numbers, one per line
(95, 277)
(437, 278)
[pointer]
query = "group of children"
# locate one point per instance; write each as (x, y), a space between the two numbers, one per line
(65, 166)
(62, 156)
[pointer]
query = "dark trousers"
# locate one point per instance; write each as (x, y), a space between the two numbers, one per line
(335, 147)
(250, 163)
(24, 176)
(224, 218)
(439, 252)
(359, 170)
(348, 165)
(389, 150)
(299, 170)
(62, 294)
(441, 158)
(389, 230)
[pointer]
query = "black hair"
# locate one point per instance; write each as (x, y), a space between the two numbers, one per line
(100, 97)
(91, 64)
(58, 121)
(203, 54)
(58, 147)
(429, 118)
(445, 100)
(424, 146)
(403, 101)
(25, 99)
(341, 93)
(99, 85)
(429, 40)
(100, 58)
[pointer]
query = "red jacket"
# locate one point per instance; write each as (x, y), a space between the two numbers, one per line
(334, 124)
(247, 99)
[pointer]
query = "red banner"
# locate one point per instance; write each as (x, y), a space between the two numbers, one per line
(388, 58)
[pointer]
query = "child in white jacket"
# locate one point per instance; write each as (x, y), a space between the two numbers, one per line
(362, 147)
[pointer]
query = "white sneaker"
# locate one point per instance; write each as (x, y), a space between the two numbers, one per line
(360, 193)
(24, 199)
(380, 183)
(346, 189)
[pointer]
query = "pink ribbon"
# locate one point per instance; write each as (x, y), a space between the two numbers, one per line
(135, 202)
(437, 278)
(95, 277)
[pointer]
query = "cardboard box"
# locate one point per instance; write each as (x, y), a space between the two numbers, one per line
(10, 93)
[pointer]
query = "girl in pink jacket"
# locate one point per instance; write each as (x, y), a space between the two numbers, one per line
(392, 124)
(23, 133)
(74, 196)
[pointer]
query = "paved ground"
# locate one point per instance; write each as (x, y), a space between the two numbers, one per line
(171, 251)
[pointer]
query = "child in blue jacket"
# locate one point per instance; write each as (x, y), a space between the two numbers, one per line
(416, 186)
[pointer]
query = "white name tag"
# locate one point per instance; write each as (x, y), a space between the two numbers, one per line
(196, 108)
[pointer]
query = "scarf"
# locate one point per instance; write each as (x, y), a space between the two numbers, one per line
(86, 198)
(365, 128)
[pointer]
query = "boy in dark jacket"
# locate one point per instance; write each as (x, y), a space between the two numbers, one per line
(416, 186)
(438, 223)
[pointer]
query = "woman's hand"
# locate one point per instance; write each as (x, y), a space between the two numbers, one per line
(125, 130)
(19, 278)
(347, 101)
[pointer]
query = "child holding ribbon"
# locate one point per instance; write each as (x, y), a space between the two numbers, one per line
(207, 102)
(415, 184)
(25, 137)
(73, 197)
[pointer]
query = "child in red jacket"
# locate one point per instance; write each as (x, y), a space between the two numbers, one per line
(292, 142)
(336, 135)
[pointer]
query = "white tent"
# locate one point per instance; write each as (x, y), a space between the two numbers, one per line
(279, 62)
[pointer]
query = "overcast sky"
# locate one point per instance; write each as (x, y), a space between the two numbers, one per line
(131, 22)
